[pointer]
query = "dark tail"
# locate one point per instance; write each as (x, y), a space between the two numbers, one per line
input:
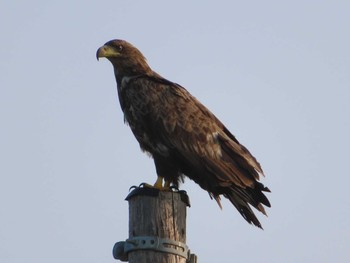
(243, 198)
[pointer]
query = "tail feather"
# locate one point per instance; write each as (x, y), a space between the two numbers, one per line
(257, 195)
(243, 198)
(244, 209)
(242, 164)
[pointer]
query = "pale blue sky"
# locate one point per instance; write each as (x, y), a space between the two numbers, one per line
(277, 73)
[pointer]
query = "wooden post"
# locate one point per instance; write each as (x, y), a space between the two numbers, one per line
(157, 227)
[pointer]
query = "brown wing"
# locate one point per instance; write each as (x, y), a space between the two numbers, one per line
(173, 119)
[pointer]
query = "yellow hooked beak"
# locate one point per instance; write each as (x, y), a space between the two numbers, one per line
(106, 52)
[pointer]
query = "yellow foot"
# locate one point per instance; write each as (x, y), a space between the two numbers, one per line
(159, 184)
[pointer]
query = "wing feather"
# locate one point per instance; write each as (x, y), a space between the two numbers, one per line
(210, 155)
(186, 125)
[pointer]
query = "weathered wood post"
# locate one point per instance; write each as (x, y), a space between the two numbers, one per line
(157, 228)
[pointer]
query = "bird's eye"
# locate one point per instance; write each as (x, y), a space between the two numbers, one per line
(120, 48)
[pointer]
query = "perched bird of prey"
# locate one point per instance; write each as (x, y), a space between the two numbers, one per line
(182, 135)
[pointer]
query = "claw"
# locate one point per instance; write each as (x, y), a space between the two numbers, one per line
(143, 185)
(132, 187)
(157, 185)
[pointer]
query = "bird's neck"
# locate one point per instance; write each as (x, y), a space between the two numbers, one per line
(121, 74)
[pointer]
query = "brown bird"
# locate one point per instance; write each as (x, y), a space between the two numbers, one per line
(182, 135)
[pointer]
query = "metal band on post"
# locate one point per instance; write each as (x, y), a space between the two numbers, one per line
(121, 249)
(155, 244)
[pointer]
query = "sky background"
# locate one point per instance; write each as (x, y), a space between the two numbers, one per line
(277, 73)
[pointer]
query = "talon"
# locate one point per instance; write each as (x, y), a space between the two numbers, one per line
(157, 185)
(143, 185)
(132, 187)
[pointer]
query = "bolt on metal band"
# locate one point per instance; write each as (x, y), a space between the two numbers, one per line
(150, 243)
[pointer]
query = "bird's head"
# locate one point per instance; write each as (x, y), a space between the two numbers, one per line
(127, 60)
